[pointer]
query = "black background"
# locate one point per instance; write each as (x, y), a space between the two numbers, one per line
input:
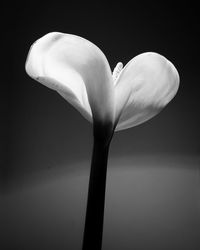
(42, 133)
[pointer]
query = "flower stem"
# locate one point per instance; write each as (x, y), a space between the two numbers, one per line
(93, 231)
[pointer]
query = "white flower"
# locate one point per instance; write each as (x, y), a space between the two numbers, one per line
(79, 71)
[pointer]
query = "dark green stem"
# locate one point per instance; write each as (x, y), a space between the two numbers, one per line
(93, 231)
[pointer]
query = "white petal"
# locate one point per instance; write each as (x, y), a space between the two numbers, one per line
(145, 86)
(77, 69)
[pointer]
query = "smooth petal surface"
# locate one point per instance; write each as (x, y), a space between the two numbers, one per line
(145, 86)
(77, 70)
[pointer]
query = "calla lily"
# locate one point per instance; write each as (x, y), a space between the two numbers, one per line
(79, 71)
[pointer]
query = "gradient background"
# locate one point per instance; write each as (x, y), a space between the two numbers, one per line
(153, 184)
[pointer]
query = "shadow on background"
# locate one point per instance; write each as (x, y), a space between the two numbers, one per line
(152, 202)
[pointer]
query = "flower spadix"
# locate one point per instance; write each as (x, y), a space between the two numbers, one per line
(79, 71)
